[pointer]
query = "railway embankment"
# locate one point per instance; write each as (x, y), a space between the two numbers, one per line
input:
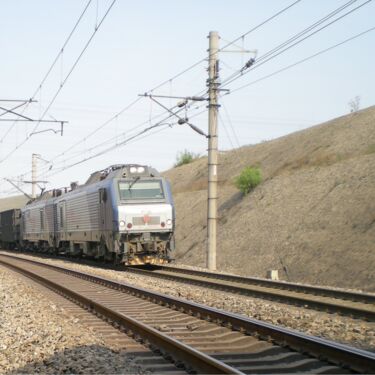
(312, 218)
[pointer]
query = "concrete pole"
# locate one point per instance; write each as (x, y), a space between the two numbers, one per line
(33, 174)
(212, 83)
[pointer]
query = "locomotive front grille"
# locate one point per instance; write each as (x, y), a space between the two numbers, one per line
(146, 220)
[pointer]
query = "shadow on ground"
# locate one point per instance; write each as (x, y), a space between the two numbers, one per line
(90, 359)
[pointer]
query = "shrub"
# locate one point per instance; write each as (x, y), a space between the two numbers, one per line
(249, 178)
(185, 157)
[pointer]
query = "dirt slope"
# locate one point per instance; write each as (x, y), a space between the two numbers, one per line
(17, 201)
(312, 218)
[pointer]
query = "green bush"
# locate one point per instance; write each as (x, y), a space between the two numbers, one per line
(185, 157)
(248, 179)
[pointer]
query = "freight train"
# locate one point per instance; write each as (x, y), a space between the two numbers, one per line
(124, 213)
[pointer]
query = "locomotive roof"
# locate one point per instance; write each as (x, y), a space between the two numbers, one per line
(122, 171)
(113, 171)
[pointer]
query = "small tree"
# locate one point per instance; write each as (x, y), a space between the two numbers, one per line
(354, 104)
(185, 157)
(249, 178)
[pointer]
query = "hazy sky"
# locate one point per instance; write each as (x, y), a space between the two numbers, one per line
(143, 43)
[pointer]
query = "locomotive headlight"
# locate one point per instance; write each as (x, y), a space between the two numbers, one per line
(169, 222)
(122, 223)
(133, 169)
(140, 169)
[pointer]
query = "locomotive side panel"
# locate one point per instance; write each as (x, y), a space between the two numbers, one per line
(81, 221)
(82, 217)
(32, 223)
(37, 224)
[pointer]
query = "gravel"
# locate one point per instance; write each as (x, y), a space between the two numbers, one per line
(37, 336)
(341, 329)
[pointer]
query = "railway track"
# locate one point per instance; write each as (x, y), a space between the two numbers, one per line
(356, 305)
(202, 339)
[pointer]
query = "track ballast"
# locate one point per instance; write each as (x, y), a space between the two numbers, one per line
(353, 304)
(202, 338)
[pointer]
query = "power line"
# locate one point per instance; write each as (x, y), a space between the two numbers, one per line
(52, 65)
(108, 141)
(231, 124)
(227, 45)
(98, 128)
(180, 74)
(140, 135)
(241, 72)
(174, 77)
(304, 60)
(112, 147)
(309, 28)
(62, 83)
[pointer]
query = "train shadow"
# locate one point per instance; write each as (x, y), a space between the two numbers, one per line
(85, 359)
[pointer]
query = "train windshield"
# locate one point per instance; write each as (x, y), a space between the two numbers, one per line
(137, 189)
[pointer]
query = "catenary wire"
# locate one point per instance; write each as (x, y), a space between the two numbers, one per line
(62, 83)
(200, 61)
(51, 66)
(117, 144)
(267, 76)
(133, 138)
(178, 75)
(228, 44)
(303, 60)
(295, 37)
(230, 123)
(240, 73)
(114, 138)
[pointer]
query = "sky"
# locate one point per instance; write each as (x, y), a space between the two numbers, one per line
(141, 44)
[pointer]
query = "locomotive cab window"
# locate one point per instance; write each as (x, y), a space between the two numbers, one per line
(143, 189)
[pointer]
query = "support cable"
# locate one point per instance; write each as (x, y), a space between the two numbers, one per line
(62, 83)
(52, 65)
(179, 74)
(303, 60)
(241, 72)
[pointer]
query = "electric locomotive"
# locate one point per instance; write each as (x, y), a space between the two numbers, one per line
(124, 213)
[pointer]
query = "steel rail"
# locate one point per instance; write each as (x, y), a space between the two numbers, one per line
(317, 290)
(269, 289)
(345, 356)
(178, 350)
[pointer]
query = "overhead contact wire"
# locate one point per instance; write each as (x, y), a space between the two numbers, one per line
(52, 65)
(62, 83)
(240, 73)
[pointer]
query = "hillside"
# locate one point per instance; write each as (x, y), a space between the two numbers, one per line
(16, 201)
(312, 218)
